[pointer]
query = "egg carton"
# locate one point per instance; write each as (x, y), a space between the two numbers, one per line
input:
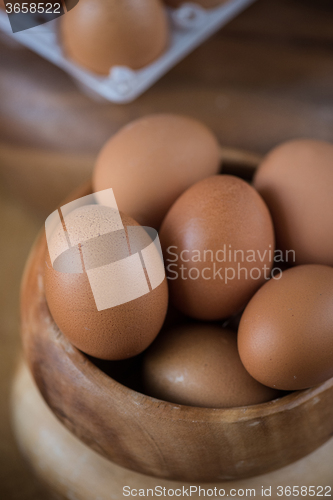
(190, 26)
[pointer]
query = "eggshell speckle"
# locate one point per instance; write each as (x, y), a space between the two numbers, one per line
(199, 365)
(217, 214)
(285, 336)
(100, 34)
(114, 333)
(296, 181)
(151, 161)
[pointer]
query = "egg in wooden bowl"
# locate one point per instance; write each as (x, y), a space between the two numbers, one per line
(104, 280)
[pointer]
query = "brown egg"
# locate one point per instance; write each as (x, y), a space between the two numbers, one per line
(296, 181)
(198, 365)
(108, 322)
(151, 161)
(99, 34)
(218, 244)
(207, 4)
(285, 337)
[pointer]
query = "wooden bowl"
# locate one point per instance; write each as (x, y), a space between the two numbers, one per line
(72, 470)
(155, 437)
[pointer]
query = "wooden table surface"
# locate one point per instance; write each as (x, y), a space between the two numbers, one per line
(266, 77)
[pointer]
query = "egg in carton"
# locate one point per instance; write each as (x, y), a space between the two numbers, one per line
(148, 39)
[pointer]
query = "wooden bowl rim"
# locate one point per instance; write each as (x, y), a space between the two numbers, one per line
(236, 413)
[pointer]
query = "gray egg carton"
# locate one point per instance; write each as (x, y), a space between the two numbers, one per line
(190, 26)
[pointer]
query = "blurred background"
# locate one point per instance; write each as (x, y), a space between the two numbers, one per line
(264, 78)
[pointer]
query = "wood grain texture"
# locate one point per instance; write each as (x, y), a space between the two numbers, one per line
(42, 178)
(72, 470)
(154, 437)
(18, 229)
(264, 78)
